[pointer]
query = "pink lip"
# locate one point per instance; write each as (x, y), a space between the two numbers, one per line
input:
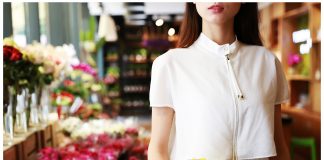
(216, 8)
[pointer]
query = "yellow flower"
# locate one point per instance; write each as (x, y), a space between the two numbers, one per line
(8, 41)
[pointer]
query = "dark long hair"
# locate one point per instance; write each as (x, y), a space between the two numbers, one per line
(246, 25)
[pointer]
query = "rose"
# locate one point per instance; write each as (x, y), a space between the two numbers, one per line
(11, 53)
(16, 55)
(7, 52)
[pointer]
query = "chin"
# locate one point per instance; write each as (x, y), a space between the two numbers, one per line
(215, 20)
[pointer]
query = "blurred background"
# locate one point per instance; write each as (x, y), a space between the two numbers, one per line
(103, 87)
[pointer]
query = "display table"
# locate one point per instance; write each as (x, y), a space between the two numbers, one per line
(27, 145)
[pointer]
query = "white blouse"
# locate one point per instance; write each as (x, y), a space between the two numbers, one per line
(223, 97)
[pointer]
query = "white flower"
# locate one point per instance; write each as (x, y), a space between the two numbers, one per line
(81, 130)
(70, 124)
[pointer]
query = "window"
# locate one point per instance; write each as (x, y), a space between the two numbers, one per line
(42, 9)
(18, 23)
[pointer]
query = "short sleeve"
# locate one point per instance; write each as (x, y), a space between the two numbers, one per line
(282, 90)
(160, 86)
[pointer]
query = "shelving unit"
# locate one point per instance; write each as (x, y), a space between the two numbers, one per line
(112, 61)
(136, 66)
(278, 22)
(136, 49)
(134, 74)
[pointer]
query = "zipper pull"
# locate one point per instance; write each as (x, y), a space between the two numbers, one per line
(227, 56)
(240, 96)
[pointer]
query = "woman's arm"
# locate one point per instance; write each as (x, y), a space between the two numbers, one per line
(281, 146)
(162, 118)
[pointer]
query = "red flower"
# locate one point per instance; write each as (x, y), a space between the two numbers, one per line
(68, 83)
(16, 55)
(67, 94)
(48, 153)
(133, 158)
(132, 131)
(6, 52)
(99, 147)
(103, 139)
(11, 53)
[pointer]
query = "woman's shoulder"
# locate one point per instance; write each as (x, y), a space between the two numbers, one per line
(259, 51)
(173, 53)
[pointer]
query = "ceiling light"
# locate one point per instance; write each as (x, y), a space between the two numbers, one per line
(159, 22)
(171, 32)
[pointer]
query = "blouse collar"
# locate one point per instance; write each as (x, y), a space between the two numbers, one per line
(215, 48)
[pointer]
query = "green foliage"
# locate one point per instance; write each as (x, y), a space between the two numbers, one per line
(22, 74)
(113, 71)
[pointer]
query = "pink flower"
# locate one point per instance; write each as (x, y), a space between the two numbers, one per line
(108, 153)
(294, 59)
(85, 68)
(98, 147)
(48, 153)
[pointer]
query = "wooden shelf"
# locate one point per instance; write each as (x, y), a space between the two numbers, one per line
(136, 92)
(137, 62)
(279, 21)
(288, 18)
(112, 61)
(137, 77)
(28, 145)
(298, 78)
(316, 41)
(126, 111)
(135, 107)
(296, 12)
(301, 111)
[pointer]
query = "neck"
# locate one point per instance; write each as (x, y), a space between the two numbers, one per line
(219, 33)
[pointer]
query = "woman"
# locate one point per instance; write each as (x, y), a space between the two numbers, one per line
(217, 96)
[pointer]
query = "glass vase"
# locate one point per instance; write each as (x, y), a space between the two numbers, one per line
(21, 117)
(21, 123)
(8, 121)
(34, 117)
(8, 133)
(44, 107)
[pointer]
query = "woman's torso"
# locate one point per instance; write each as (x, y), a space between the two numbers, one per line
(210, 122)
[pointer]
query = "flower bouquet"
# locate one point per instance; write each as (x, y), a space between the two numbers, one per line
(20, 78)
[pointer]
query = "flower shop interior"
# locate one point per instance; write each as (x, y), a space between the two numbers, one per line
(76, 76)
